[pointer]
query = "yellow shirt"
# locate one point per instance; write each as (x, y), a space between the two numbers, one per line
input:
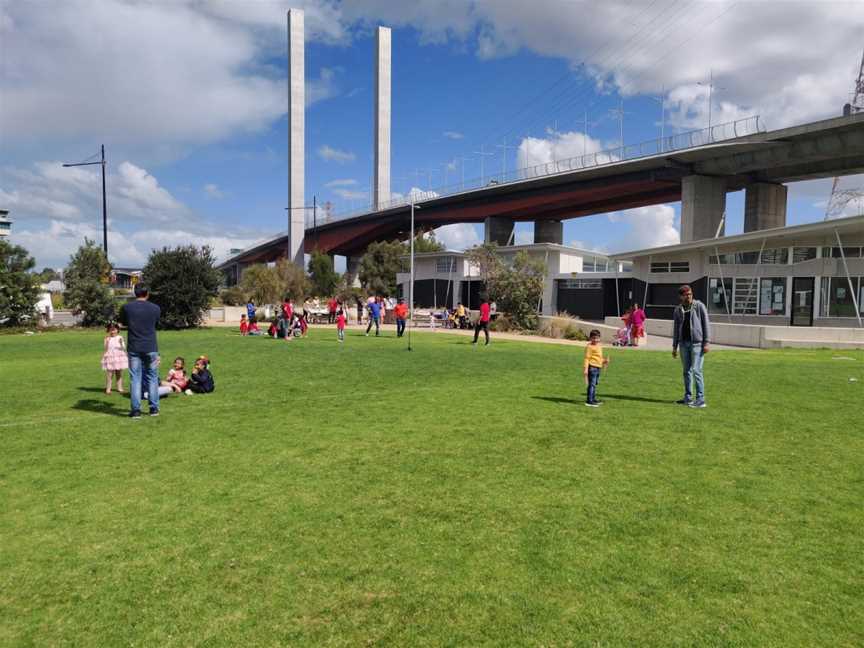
(593, 356)
(460, 311)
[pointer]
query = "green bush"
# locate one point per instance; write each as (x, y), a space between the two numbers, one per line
(574, 333)
(501, 324)
(87, 292)
(234, 296)
(19, 289)
(182, 281)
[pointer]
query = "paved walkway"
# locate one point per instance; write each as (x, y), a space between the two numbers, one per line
(655, 342)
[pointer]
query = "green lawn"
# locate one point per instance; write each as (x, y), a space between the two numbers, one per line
(361, 495)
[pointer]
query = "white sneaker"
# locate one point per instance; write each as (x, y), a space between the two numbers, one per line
(188, 392)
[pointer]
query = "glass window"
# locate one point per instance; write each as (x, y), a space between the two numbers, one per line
(746, 258)
(723, 259)
(5, 226)
(679, 266)
(581, 284)
(772, 296)
(801, 254)
(445, 264)
(777, 256)
(719, 295)
(659, 266)
(848, 252)
(837, 298)
(588, 264)
(745, 296)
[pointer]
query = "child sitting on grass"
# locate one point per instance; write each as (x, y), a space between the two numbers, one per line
(176, 379)
(201, 380)
(592, 366)
(253, 327)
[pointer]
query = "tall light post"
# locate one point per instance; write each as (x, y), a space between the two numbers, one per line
(314, 208)
(710, 85)
(411, 279)
(662, 100)
(104, 199)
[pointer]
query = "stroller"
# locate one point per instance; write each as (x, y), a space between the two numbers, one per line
(622, 337)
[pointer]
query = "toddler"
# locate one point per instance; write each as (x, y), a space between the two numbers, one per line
(114, 359)
(340, 325)
(176, 379)
(592, 366)
(201, 380)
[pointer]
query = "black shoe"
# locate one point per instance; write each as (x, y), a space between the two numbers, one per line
(683, 401)
(592, 405)
(598, 402)
(135, 415)
(154, 412)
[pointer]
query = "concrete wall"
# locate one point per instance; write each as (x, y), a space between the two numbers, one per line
(760, 336)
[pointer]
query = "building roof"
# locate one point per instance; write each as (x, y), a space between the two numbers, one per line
(756, 236)
(551, 247)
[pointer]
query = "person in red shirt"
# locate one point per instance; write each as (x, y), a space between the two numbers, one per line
(287, 309)
(244, 325)
(482, 321)
(400, 312)
(340, 325)
(332, 307)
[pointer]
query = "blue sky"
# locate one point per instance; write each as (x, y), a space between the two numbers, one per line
(188, 98)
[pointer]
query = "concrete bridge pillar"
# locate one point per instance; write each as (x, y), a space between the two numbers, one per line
(549, 231)
(764, 206)
(498, 230)
(352, 267)
(703, 201)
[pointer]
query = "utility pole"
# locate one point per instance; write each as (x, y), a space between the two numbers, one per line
(104, 199)
(482, 153)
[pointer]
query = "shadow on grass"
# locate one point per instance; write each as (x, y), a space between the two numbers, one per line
(603, 396)
(101, 390)
(100, 407)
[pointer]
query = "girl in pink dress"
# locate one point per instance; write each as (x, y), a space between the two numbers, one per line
(114, 360)
(176, 379)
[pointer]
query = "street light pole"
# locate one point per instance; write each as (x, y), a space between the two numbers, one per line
(411, 280)
(104, 199)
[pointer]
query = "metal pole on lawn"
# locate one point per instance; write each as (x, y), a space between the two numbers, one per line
(411, 282)
(848, 277)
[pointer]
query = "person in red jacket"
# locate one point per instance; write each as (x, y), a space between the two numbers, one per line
(332, 307)
(401, 313)
(482, 321)
(340, 325)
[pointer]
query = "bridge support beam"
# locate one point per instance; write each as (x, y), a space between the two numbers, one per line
(296, 137)
(381, 189)
(498, 230)
(352, 267)
(549, 231)
(764, 206)
(703, 201)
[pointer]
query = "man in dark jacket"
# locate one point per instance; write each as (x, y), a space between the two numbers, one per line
(141, 317)
(691, 331)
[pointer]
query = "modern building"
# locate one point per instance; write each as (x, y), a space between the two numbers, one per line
(5, 223)
(803, 275)
(125, 278)
(443, 279)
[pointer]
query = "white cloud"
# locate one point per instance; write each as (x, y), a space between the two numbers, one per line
(330, 154)
(348, 194)
(644, 227)
(324, 87)
(213, 191)
(341, 182)
(453, 135)
(459, 236)
(534, 151)
(523, 237)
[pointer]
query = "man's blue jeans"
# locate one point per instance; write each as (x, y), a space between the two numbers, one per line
(593, 379)
(148, 363)
(373, 320)
(691, 361)
(400, 327)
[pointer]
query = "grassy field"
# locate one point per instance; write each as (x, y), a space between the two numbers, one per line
(361, 495)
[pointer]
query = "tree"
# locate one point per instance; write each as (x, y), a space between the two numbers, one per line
(516, 289)
(19, 289)
(294, 282)
(182, 282)
(262, 283)
(425, 243)
(48, 274)
(378, 267)
(322, 275)
(87, 292)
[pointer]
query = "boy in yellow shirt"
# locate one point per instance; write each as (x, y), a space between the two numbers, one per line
(591, 367)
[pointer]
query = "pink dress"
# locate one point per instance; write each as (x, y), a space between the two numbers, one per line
(115, 358)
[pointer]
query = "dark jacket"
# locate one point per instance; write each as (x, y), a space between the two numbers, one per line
(700, 324)
(202, 381)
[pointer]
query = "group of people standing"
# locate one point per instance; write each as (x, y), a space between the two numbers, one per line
(634, 327)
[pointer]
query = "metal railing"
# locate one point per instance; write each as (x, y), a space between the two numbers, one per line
(659, 146)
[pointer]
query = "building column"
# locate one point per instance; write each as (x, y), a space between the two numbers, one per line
(498, 230)
(381, 181)
(549, 231)
(703, 201)
(296, 137)
(549, 296)
(764, 206)
(352, 268)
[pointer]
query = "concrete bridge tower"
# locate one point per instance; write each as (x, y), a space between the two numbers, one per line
(296, 137)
